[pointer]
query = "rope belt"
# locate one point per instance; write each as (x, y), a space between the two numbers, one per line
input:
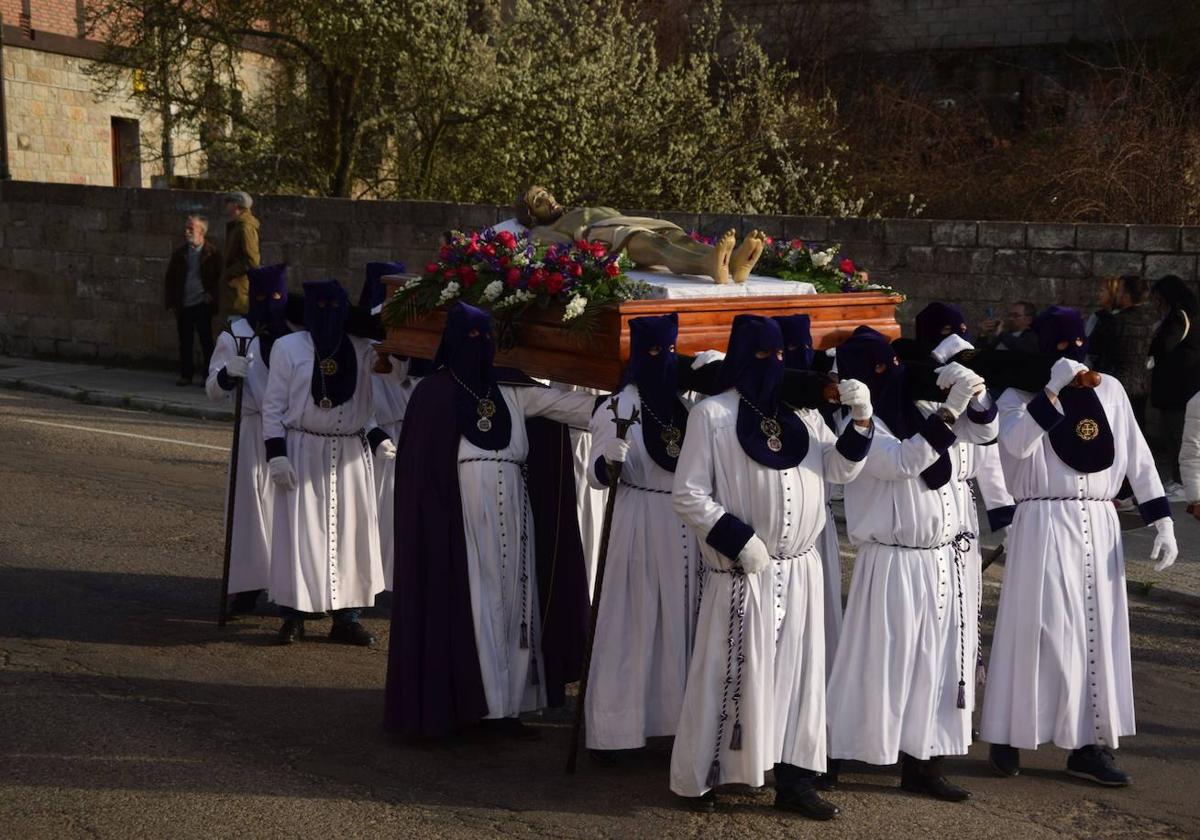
(633, 486)
(961, 543)
(1063, 499)
(735, 658)
(359, 433)
(526, 640)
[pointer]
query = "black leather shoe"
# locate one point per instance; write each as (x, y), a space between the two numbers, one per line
(829, 779)
(351, 634)
(244, 602)
(510, 728)
(292, 630)
(1004, 760)
(1097, 764)
(705, 804)
(807, 803)
(925, 777)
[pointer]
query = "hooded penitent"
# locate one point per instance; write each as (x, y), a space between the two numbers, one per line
(374, 292)
(267, 311)
(938, 320)
(868, 357)
(797, 341)
(467, 351)
(335, 368)
(1084, 440)
(768, 430)
(652, 369)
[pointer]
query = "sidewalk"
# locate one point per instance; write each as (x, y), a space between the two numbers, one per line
(146, 390)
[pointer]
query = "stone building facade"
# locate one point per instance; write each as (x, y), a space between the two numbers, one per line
(59, 129)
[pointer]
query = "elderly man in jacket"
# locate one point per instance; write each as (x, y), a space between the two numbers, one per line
(190, 288)
(241, 254)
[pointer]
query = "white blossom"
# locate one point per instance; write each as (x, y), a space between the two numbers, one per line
(575, 307)
(493, 290)
(449, 292)
(820, 259)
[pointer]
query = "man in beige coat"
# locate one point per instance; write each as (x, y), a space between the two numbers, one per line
(241, 254)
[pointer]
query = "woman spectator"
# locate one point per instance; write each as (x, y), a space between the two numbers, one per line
(1175, 375)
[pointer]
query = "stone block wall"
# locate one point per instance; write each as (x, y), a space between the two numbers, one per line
(81, 267)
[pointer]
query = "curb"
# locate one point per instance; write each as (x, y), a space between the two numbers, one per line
(112, 399)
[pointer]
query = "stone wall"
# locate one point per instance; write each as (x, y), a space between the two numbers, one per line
(81, 267)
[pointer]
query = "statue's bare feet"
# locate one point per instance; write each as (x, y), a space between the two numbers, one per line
(746, 256)
(717, 264)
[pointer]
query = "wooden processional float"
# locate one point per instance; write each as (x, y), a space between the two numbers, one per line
(546, 349)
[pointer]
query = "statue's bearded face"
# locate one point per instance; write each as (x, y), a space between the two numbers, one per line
(542, 206)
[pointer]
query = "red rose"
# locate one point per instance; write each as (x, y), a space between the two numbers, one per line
(449, 273)
(513, 277)
(490, 250)
(599, 250)
(506, 239)
(504, 261)
(575, 270)
(431, 268)
(537, 279)
(472, 247)
(554, 283)
(796, 244)
(770, 240)
(467, 275)
(581, 245)
(612, 269)
(847, 265)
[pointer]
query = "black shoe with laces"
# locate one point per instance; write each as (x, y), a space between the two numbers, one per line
(1097, 764)
(292, 630)
(1004, 760)
(704, 804)
(351, 634)
(925, 777)
(806, 802)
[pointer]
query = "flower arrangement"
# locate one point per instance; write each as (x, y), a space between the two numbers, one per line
(827, 270)
(507, 273)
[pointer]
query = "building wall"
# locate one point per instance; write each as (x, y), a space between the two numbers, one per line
(81, 267)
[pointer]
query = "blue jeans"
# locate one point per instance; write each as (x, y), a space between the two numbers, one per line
(346, 616)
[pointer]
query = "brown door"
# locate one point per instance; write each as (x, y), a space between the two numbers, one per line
(126, 153)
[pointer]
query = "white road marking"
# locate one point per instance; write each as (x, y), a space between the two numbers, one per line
(122, 434)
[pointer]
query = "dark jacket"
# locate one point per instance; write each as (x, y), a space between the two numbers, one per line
(176, 277)
(1128, 337)
(241, 254)
(1026, 342)
(1176, 351)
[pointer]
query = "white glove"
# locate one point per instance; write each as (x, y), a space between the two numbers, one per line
(947, 375)
(707, 357)
(615, 450)
(386, 450)
(950, 347)
(754, 556)
(1062, 373)
(855, 396)
(964, 390)
(237, 367)
(282, 473)
(1164, 544)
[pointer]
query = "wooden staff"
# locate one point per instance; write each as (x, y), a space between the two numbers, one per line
(614, 478)
(243, 345)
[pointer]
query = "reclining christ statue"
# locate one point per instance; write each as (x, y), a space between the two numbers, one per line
(648, 242)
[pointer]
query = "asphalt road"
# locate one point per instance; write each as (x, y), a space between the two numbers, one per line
(126, 712)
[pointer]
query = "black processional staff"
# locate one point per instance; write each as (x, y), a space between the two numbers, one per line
(614, 478)
(243, 345)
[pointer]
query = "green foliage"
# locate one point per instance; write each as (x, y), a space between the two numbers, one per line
(471, 100)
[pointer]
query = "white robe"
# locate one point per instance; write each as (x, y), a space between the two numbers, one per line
(1060, 666)
(391, 393)
(649, 599)
(325, 539)
(779, 700)
(911, 616)
(501, 555)
(250, 546)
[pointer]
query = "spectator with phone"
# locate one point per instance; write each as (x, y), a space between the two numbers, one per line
(1014, 333)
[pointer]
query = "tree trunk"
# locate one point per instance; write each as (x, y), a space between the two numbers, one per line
(168, 147)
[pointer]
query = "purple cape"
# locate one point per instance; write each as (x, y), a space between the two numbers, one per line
(434, 684)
